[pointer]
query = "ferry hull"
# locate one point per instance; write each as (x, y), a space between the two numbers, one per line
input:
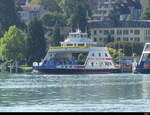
(79, 71)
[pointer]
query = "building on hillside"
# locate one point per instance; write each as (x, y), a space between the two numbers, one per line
(103, 9)
(100, 31)
(28, 12)
(132, 8)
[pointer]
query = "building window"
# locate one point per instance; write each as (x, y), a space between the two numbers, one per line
(106, 32)
(100, 39)
(95, 39)
(112, 32)
(125, 39)
(118, 39)
(95, 32)
(137, 39)
(125, 32)
(119, 32)
(131, 31)
(100, 31)
(136, 32)
(131, 39)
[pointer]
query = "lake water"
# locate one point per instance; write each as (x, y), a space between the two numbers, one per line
(74, 93)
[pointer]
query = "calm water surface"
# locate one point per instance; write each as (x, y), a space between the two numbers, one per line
(74, 93)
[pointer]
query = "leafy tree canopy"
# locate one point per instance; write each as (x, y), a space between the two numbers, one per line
(13, 45)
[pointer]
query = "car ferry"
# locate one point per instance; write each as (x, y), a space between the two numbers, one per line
(144, 63)
(78, 54)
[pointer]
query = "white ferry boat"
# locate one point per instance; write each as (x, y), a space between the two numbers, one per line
(78, 54)
(144, 64)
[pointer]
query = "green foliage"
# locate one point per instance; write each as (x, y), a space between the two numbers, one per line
(36, 42)
(146, 14)
(75, 11)
(129, 48)
(50, 19)
(116, 54)
(8, 15)
(50, 5)
(82, 58)
(13, 45)
(56, 36)
(129, 18)
(37, 2)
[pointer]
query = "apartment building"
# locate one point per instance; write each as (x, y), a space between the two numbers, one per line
(122, 31)
(28, 12)
(103, 10)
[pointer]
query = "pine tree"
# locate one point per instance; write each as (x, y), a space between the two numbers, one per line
(36, 42)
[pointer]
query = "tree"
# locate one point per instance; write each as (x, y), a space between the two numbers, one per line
(56, 36)
(50, 5)
(116, 54)
(146, 14)
(8, 15)
(13, 45)
(76, 13)
(129, 18)
(50, 19)
(129, 48)
(36, 44)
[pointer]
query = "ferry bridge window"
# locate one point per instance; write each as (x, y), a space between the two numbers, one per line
(69, 44)
(80, 44)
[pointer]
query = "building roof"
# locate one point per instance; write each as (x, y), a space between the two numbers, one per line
(120, 24)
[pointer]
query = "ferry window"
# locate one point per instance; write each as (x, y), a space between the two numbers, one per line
(93, 55)
(92, 64)
(99, 54)
(80, 44)
(106, 55)
(69, 44)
